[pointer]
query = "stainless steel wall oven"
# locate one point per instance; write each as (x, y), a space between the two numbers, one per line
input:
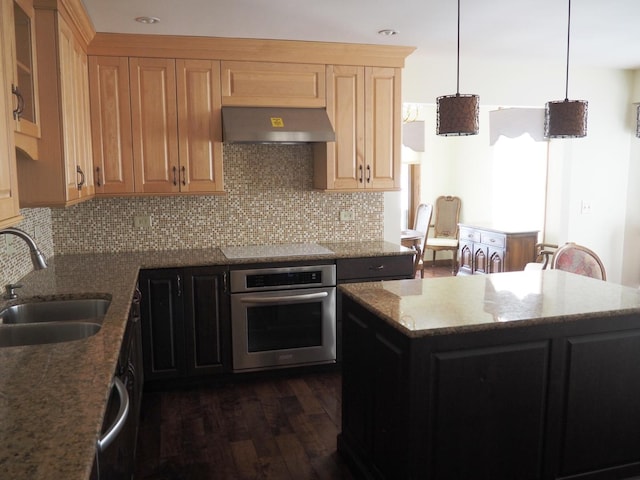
(283, 316)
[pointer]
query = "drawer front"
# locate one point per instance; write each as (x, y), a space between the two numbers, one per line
(469, 234)
(374, 268)
(493, 239)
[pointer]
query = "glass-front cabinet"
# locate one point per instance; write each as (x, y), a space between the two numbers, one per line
(18, 19)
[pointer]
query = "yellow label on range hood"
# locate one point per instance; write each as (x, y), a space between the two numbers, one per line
(277, 122)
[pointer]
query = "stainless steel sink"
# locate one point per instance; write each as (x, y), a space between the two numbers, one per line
(55, 311)
(51, 321)
(43, 333)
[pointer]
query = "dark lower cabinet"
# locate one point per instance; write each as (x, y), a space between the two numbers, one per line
(185, 323)
(368, 269)
(554, 401)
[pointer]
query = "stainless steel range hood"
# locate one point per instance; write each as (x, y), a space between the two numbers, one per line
(275, 125)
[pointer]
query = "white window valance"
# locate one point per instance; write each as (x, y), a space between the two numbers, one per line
(513, 122)
(413, 135)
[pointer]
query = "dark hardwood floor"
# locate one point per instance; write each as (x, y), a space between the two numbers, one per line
(280, 428)
(277, 428)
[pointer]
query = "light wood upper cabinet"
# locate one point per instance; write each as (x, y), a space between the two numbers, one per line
(364, 106)
(155, 124)
(20, 49)
(199, 125)
(111, 125)
(175, 107)
(63, 175)
(9, 209)
(339, 165)
(383, 106)
(76, 130)
(259, 84)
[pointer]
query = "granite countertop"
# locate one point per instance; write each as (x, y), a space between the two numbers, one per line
(53, 397)
(441, 306)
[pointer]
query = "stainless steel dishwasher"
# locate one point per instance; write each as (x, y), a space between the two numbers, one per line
(116, 448)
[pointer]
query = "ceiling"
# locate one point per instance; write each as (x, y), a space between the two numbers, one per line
(603, 33)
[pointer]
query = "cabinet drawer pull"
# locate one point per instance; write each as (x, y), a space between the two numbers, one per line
(17, 113)
(82, 179)
(361, 179)
(98, 183)
(184, 175)
(376, 267)
(175, 180)
(368, 173)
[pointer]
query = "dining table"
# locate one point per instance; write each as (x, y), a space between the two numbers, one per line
(412, 239)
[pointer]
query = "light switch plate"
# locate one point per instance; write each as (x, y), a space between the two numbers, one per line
(347, 216)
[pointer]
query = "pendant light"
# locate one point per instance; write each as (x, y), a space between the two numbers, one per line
(457, 114)
(566, 118)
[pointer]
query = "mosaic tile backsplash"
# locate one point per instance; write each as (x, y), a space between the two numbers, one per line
(268, 200)
(16, 263)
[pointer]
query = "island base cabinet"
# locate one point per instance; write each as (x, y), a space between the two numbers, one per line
(374, 397)
(602, 425)
(545, 402)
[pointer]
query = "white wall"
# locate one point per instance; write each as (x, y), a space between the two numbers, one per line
(601, 168)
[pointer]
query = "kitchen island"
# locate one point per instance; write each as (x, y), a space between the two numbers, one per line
(53, 397)
(518, 375)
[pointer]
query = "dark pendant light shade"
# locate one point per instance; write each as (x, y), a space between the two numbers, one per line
(457, 115)
(566, 118)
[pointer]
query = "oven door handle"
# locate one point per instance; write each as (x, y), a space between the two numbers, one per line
(284, 298)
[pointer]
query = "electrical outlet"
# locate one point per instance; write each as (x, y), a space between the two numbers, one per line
(347, 216)
(585, 207)
(142, 221)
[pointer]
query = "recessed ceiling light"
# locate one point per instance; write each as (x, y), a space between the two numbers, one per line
(387, 32)
(147, 20)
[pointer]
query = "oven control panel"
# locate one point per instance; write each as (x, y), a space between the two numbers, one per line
(260, 280)
(282, 278)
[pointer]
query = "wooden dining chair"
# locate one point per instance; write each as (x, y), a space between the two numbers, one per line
(575, 258)
(421, 224)
(445, 231)
(543, 255)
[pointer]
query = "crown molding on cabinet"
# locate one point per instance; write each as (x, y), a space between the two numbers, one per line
(169, 46)
(74, 13)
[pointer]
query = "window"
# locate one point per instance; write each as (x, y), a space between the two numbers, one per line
(519, 183)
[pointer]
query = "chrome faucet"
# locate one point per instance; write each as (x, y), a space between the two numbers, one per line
(37, 258)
